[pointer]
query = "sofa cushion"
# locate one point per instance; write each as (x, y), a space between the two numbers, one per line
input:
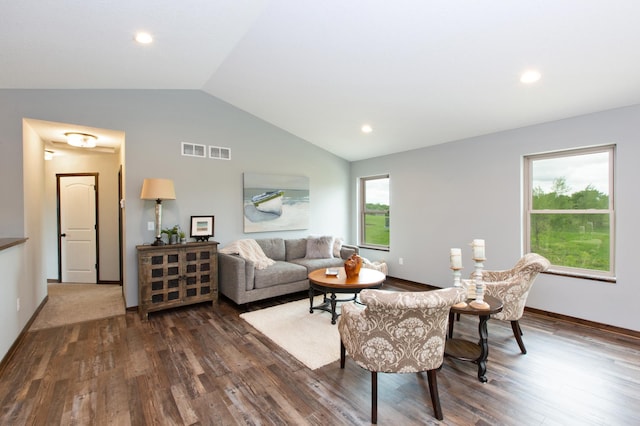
(296, 248)
(319, 247)
(280, 273)
(273, 248)
(313, 264)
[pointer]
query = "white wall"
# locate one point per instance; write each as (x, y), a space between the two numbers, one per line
(12, 263)
(446, 195)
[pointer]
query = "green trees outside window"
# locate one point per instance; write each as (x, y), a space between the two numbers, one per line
(570, 208)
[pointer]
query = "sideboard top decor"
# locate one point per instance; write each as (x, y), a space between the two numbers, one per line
(202, 227)
(275, 202)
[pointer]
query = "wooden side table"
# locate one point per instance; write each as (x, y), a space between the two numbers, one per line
(469, 351)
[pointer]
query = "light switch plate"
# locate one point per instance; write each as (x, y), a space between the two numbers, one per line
(151, 226)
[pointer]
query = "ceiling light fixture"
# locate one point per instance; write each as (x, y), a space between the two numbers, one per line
(81, 140)
(366, 128)
(143, 38)
(530, 76)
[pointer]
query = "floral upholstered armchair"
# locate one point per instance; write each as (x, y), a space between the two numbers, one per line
(398, 332)
(512, 287)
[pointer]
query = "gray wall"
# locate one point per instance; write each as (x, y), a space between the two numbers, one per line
(155, 123)
(446, 195)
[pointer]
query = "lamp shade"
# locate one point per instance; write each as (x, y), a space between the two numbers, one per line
(157, 189)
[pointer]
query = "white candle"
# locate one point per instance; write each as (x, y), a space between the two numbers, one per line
(478, 249)
(456, 258)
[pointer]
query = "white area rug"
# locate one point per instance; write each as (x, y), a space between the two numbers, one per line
(311, 338)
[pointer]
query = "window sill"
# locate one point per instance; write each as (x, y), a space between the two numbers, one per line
(379, 248)
(580, 275)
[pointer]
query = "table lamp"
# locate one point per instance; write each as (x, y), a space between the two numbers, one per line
(158, 189)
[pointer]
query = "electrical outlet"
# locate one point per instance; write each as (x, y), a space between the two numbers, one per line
(151, 226)
(18, 305)
(401, 261)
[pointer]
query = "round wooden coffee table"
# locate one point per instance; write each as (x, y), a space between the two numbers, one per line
(334, 284)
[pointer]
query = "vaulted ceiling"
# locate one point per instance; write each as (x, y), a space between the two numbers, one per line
(419, 72)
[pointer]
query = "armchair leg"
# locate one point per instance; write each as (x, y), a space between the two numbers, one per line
(517, 333)
(451, 319)
(435, 397)
(343, 354)
(374, 397)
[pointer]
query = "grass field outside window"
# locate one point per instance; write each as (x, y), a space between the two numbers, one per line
(374, 212)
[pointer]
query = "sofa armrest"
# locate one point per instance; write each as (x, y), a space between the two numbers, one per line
(347, 250)
(232, 279)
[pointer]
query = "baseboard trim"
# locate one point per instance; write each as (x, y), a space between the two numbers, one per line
(109, 282)
(12, 350)
(592, 324)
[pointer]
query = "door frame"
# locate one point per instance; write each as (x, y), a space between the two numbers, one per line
(120, 221)
(95, 182)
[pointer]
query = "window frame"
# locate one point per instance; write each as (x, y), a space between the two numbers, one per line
(528, 210)
(362, 211)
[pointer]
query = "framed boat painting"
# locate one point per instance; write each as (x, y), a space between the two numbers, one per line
(275, 202)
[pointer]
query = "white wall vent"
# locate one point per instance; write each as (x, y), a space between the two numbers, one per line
(194, 150)
(219, 153)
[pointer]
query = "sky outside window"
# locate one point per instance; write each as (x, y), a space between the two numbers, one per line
(579, 171)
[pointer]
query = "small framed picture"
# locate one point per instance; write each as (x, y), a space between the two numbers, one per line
(202, 227)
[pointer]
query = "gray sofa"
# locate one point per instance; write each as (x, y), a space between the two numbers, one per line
(240, 281)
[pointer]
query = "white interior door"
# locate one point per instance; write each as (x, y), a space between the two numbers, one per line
(78, 229)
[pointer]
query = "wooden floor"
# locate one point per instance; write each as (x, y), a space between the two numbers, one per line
(201, 366)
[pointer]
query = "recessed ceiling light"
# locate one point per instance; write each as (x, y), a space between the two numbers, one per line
(143, 38)
(530, 76)
(366, 128)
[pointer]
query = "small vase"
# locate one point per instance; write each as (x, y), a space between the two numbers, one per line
(352, 266)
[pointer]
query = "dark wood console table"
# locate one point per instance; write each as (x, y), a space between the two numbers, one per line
(176, 275)
(469, 351)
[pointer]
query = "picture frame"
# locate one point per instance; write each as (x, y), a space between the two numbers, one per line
(202, 227)
(274, 202)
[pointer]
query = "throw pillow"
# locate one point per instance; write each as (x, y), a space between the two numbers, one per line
(319, 247)
(337, 246)
(296, 248)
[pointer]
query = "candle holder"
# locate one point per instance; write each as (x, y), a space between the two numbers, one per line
(458, 283)
(479, 302)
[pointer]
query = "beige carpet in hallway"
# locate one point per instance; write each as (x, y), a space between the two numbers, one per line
(72, 303)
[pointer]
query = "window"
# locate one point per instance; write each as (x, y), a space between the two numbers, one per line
(569, 210)
(374, 212)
